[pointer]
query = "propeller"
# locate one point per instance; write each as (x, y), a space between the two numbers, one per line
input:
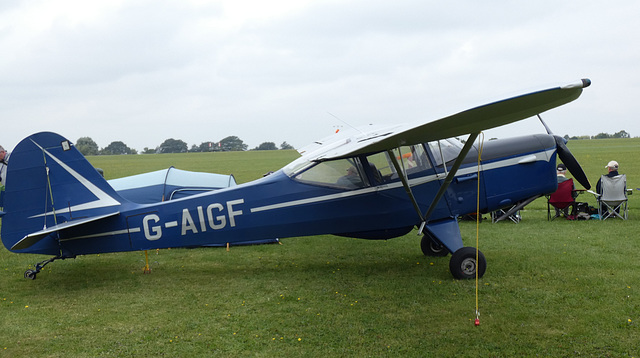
(568, 159)
(572, 164)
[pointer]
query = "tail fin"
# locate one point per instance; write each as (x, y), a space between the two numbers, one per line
(49, 182)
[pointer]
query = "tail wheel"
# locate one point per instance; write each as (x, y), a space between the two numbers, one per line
(30, 274)
(432, 247)
(463, 263)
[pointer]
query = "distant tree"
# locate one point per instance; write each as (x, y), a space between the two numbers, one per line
(173, 146)
(87, 146)
(602, 136)
(116, 148)
(266, 146)
(582, 137)
(232, 143)
(208, 147)
(286, 145)
(622, 134)
(194, 149)
(147, 150)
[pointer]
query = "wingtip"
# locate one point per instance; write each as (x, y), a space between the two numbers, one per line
(26, 242)
(584, 83)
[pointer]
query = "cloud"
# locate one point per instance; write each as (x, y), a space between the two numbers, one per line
(144, 71)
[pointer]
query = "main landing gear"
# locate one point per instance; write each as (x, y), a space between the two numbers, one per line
(463, 263)
(31, 274)
(432, 247)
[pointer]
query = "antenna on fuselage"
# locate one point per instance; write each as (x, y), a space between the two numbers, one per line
(345, 122)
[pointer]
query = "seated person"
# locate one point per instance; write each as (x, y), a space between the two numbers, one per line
(561, 171)
(352, 180)
(4, 159)
(612, 167)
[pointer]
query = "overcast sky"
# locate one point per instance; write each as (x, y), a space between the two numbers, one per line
(141, 71)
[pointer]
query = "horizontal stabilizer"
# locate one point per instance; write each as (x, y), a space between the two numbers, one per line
(33, 238)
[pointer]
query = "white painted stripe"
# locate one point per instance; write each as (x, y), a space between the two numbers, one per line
(540, 156)
(108, 233)
(104, 200)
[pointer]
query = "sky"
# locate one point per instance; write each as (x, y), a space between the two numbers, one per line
(142, 71)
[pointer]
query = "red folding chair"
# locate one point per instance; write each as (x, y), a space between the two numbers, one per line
(562, 199)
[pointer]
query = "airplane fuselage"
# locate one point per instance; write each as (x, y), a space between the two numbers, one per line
(280, 205)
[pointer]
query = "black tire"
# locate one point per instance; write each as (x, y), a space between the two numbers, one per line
(431, 247)
(30, 274)
(463, 264)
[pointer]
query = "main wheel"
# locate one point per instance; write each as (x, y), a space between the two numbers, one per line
(431, 247)
(463, 263)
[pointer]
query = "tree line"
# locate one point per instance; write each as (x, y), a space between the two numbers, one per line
(88, 146)
(620, 134)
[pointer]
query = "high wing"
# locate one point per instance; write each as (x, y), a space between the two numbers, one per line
(470, 121)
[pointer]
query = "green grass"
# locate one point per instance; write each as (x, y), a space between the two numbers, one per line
(555, 289)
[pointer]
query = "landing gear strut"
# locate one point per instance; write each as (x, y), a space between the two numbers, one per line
(31, 274)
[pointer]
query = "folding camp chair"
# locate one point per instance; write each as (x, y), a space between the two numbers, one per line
(562, 199)
(503, 214)
(612, 201)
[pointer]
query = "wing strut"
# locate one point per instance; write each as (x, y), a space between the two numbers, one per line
(449, 178)
(405, 182)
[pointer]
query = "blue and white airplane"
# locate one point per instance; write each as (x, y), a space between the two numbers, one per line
(378, 183)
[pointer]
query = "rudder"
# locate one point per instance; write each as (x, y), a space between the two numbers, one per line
(49, 182)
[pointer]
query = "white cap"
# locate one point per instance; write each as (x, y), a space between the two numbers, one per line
(612, 164)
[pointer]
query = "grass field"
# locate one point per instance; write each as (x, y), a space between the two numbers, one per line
(556, 289)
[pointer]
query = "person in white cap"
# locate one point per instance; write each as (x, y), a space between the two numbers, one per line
(612, 166)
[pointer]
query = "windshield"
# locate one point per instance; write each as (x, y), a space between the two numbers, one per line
(445, 151)
(296, 166)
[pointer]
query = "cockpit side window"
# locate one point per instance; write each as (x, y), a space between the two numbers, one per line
(342, 173)
(381, 167)
(360, 172)
(414, 158)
